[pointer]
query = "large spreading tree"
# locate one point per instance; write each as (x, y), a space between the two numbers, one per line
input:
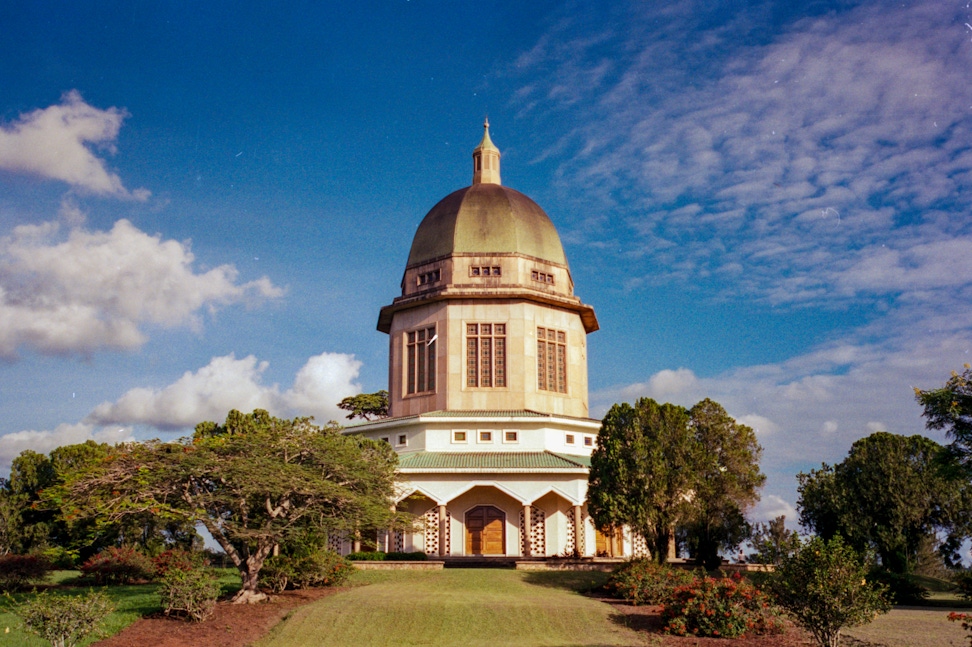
(890, 494)
(950, 408)
(253, 482)
(662, 469)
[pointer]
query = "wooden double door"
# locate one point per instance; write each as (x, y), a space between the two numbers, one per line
(485, 531)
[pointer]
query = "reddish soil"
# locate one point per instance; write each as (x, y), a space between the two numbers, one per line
(232, 625)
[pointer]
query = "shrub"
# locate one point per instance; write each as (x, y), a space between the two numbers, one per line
(64, 620)
(900, 588)
(277, 572)
(61, 558)
(177, 559)
(119, 566)
(966, 620)
(727, 607)
(417, 556)
(16, 571)
(642, 581)
(964, 582)
(190, 594)
(322, 568)
(824, 588)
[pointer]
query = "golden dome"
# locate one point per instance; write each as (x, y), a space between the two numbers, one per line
(486, 219)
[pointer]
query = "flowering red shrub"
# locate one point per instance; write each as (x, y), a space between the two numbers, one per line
(119, 566)
(966, 620)
(720, 607)
(642, 581)
(175, 559)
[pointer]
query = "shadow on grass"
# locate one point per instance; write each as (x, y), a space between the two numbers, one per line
(585, 582)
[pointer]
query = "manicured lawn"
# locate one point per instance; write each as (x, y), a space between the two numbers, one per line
(456, 607)
(131, 603)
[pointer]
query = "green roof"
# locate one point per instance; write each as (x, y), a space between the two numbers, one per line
(484, 461)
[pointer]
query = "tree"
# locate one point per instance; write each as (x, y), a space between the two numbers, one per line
(641, 471)
(772, 542)
(253, 482)
(889, 494)
(29, 524)
(950, 408)
(660, 468)
(727, 482)
(366, 405)
(824, 588)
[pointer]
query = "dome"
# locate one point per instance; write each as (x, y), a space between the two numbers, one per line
(486, 218)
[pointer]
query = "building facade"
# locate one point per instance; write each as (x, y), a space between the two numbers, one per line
(488, 396)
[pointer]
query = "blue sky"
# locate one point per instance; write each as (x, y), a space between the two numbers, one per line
(204, 207)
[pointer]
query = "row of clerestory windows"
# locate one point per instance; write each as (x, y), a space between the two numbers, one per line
(485, 358)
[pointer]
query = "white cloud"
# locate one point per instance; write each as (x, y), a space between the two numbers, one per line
(772, 506)
(208, 394)
(323, 382)
(762, 425)
(11, 445)
(816, 167)
(90, 290)
(664, 385)
(53, 143)
(229, 383)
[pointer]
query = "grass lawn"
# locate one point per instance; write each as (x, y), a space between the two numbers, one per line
(912, 627)
(457, 607)
(131, 603)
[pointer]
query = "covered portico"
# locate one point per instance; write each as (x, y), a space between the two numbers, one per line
(494, 512)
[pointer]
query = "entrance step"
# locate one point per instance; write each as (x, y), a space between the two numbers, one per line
(480, 561)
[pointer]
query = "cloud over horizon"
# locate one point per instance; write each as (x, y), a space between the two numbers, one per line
(229, 383)
(43, 442)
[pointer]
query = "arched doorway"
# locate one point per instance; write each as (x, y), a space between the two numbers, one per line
(485, 531)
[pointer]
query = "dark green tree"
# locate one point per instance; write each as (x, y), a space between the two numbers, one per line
(950, 408)
(30, 524)
(366, 405)
(661, 469)
(890, 494)
(726, 470)
(254, 482)
(642, 471)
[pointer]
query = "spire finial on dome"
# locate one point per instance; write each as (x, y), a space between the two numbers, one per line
(486, 160)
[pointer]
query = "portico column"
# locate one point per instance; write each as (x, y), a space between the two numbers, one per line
(527, 525)
(578, 531)
(443, 530)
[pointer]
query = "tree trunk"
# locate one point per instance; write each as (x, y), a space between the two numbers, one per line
(249, 593)
(660, 548)
(250, 576)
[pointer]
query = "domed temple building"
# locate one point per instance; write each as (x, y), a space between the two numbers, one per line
(487, 378)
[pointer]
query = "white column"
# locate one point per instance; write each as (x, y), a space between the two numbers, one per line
(578, 531)
(443, 530)
(527, 524)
